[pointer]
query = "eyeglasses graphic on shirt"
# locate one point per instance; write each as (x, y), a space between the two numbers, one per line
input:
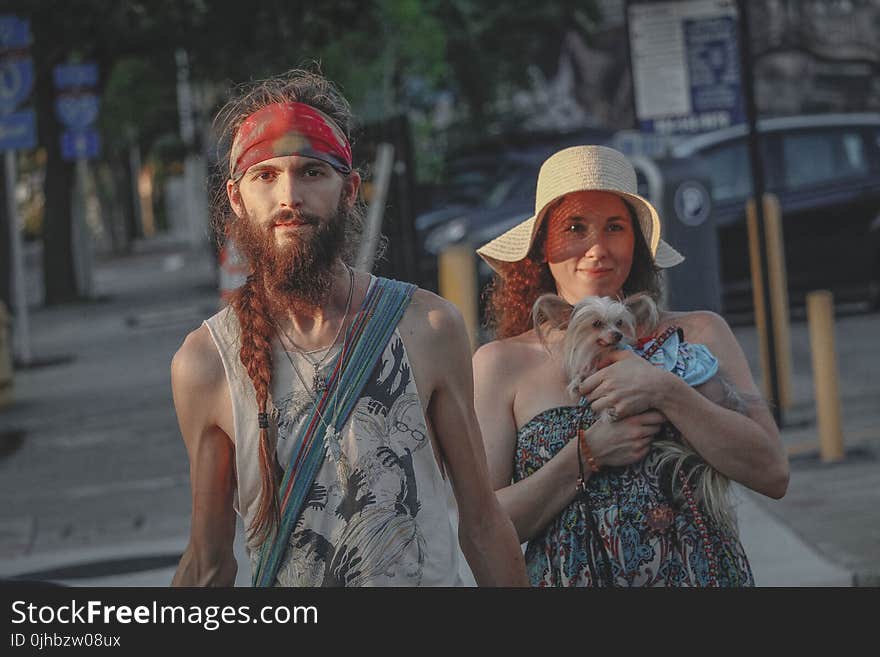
(417, 435)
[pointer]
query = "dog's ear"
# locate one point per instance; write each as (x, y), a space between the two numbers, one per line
(550, 312)
(644, 309)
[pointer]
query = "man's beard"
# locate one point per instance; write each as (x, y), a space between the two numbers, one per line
(297, 274)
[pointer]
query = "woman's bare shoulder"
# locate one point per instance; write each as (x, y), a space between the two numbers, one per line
(698, 325)
(509, 356)
(708, 328)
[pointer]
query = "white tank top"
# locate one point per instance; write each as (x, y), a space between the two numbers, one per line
(380, 512)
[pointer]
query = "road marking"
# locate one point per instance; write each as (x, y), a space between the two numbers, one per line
(158, 483)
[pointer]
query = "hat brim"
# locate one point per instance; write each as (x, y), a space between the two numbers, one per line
(515, 244)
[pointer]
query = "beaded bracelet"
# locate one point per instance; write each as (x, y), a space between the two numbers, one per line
(585, 450)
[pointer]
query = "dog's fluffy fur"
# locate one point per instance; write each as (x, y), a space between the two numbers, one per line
(597, 325)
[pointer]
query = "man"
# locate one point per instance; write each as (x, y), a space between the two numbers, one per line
(330, 409)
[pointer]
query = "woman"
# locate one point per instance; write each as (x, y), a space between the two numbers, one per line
(592, 234)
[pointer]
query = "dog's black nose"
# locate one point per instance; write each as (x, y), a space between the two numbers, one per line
(617, 335)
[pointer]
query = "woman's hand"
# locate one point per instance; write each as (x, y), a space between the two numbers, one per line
(625, 441)
(626, 385)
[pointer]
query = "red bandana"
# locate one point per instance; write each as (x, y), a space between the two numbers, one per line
(288, 129)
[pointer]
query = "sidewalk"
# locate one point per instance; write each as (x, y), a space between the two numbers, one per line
(833, 508)
(96, 480)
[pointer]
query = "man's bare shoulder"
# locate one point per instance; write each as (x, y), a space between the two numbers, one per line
(197, 366)
(430, 317)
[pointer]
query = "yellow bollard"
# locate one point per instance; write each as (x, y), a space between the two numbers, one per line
(5, 359)
(820, 316)
(778, 281)
(457, 267)
(758, 297)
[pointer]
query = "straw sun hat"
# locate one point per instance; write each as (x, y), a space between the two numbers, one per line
(576, 169)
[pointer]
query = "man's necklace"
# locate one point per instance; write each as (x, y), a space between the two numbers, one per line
(319, 380)
(333, 437)
(314, 398)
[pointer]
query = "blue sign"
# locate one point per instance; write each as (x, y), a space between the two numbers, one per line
(16, 82)
(75, 76)
(18, 131)
(685, 58)
(713, 66)
(15, 33)
(77, 111)
(80, 144)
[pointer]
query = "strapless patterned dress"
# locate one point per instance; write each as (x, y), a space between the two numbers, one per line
(627, 529)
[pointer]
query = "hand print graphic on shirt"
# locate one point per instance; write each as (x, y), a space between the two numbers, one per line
(351, 503)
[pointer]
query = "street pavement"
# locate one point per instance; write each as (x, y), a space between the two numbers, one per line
(95, 475)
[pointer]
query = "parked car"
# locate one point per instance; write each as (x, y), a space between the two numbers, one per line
(825, 169)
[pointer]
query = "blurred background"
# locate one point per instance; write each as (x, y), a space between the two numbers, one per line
(108, 260)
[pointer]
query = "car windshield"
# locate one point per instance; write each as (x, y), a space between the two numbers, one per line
(501, 191)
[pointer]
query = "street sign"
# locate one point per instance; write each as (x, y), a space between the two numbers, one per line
(685, 65)
(80, 144)
(77, 111)
(16, 81)
(15, 33)
(18, 131)
(75, 76)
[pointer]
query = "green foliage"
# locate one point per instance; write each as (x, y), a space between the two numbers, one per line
(138, 104)
(388, 56)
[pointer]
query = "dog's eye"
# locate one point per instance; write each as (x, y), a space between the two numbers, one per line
(597, 323)
(618, 323)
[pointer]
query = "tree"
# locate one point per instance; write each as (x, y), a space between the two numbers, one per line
(386, 55)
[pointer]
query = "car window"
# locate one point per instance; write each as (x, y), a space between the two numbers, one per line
(500, 191)
(514, 184)
(812, 158)
(728, 169)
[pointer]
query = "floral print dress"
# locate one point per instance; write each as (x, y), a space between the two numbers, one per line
(627, 528)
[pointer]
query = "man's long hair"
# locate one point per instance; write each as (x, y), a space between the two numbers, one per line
(251, 303)
(510, 295)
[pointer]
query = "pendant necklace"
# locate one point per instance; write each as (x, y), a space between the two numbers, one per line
(319, 380)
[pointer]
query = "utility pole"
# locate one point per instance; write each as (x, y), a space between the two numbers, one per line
(758, 189)
(195, 171)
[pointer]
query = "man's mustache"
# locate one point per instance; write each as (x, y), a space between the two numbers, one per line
(286, 215)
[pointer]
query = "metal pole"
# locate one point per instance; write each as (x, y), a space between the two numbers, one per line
(373, 228)
(192, 179)
(747, 79)
(82, 235)
(22, 329)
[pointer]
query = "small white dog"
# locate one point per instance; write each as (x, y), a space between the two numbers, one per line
(596, 326)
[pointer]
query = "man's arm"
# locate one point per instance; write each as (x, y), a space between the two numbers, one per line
(198, 385)
(486, 534)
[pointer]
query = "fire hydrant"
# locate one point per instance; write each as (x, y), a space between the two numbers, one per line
(5, 358)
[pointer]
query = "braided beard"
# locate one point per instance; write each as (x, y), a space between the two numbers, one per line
(299, 273)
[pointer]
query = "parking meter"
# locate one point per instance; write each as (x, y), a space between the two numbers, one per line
(681, 192)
